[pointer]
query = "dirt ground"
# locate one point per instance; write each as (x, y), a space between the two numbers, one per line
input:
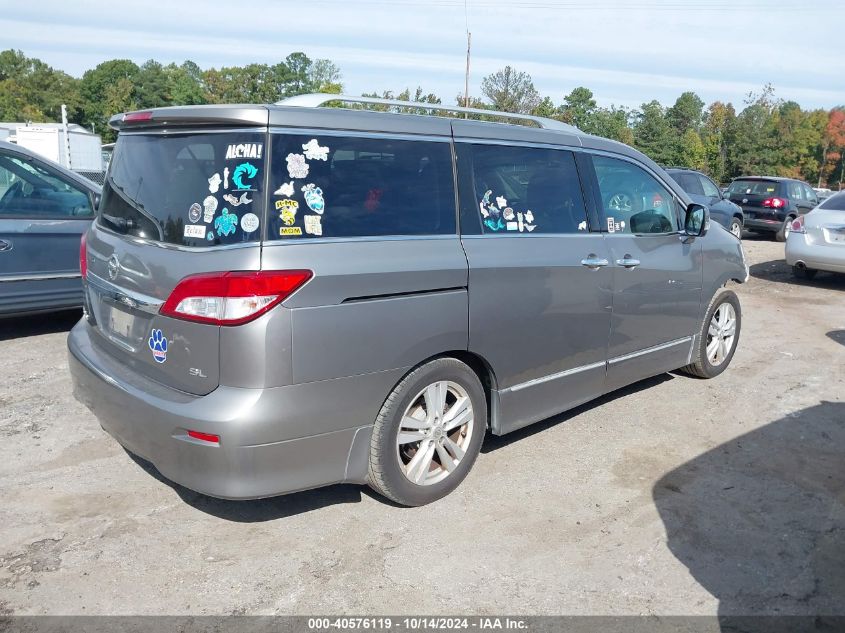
(673, 496)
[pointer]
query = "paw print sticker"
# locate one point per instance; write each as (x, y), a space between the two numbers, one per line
(158, 345)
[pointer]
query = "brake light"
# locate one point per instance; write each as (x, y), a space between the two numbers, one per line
(231, 298)
(138, 117)
(774, 203)
(83, 256)
(798, 225)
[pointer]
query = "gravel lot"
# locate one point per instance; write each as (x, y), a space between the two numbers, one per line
(673, 496)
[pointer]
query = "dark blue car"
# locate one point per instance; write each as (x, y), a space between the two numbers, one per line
(704, 191)
(44, 210)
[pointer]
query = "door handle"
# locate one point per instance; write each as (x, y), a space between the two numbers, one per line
(5, 245)
(593, 262)
(628, 262)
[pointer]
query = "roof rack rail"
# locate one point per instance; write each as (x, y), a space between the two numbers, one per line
(316, 100)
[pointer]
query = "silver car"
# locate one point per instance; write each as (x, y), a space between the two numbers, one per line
(817, 239)
(289, 296)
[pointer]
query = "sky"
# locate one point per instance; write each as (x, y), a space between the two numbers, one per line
(627, 53)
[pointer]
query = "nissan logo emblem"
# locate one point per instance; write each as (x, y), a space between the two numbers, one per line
(113, 267)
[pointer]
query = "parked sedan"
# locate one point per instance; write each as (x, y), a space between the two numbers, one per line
(44, 209)
(704, 191)
(817, 239)
(770, 203)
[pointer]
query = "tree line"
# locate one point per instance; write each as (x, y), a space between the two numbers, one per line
(764, 135)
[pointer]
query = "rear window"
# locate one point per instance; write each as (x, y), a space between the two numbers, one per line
(835, 203)
(186, 189)
(754, 187)
(689, 182)
(339, 186)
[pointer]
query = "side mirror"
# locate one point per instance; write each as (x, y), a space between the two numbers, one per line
(95, 200)
(697, 220)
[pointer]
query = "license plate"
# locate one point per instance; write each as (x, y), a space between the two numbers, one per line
(837, 237)
(121, 322)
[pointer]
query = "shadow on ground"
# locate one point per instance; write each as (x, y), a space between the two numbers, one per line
(35, 325)
(760, 520)
(779, 272)
(837, 335)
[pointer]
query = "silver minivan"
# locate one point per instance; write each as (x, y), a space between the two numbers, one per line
(288, 296)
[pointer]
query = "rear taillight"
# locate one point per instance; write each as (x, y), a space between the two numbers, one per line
(798, 225)
(774, 203)
(83, 256)
(231, 298)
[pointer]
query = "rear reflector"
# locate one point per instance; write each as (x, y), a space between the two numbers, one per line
(231, 298)
(83, 256)
(138, 117)
(204, 437)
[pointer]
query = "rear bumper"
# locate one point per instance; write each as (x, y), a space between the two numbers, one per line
(826, 257)
(764, 224)
(262, 452)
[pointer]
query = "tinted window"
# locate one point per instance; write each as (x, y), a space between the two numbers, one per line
(710, 189)
(634, 201)
(336, 186)
(809, 194)
(29, 190)
(753, 187)
(689, 182)
(188, 189)
(794, 190)
(526, 190)
(836, 202)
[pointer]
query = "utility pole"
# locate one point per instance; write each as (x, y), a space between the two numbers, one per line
(66, 135)
(466, 79)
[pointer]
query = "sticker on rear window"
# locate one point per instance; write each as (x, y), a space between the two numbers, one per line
(244, 171)
(287, 210)
(195, 212)
(236, 201)
(313, 224)
(244, 150)
(314, 198)
(214, 183)
(158, 345)
(297, 167)
(286, 190)
(313, 150)
(249, 222)
(290, 230)
(227, 223)
(195, 230)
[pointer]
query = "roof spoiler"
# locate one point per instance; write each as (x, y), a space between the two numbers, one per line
(181, 116)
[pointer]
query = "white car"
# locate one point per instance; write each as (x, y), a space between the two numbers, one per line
(817, 239)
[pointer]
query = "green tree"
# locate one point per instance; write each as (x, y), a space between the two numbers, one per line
(510, 90)
(184, 84)
(578, 108)
(692, 151)
(325, 76)
(108, 89)
(717, 133)
(687, 113)
(653, 135)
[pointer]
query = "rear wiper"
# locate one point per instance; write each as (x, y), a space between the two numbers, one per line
(123, 224)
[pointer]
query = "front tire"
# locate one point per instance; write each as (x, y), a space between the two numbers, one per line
(428, 433)
(718, 338)
(735, 228)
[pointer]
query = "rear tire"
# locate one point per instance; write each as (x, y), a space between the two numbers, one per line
(718, 337)
(803, 273)
(783, 233)
(416, 457)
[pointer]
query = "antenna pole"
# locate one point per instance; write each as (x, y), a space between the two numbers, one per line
(466, 79)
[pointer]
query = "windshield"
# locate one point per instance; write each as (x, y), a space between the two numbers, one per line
(186, 189)
(836, 202)
(753, 187)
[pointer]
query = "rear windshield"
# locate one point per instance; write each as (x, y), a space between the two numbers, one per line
(689, 182)
(186, 189)
(754, 187)
(834, 203)
(351, 186)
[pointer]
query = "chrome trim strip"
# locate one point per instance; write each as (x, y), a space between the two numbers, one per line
(40, 276)
(649, 350)
(137, 300)
(561, 374)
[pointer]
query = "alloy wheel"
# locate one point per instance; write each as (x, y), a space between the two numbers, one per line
(721, 334)
(434, 433)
